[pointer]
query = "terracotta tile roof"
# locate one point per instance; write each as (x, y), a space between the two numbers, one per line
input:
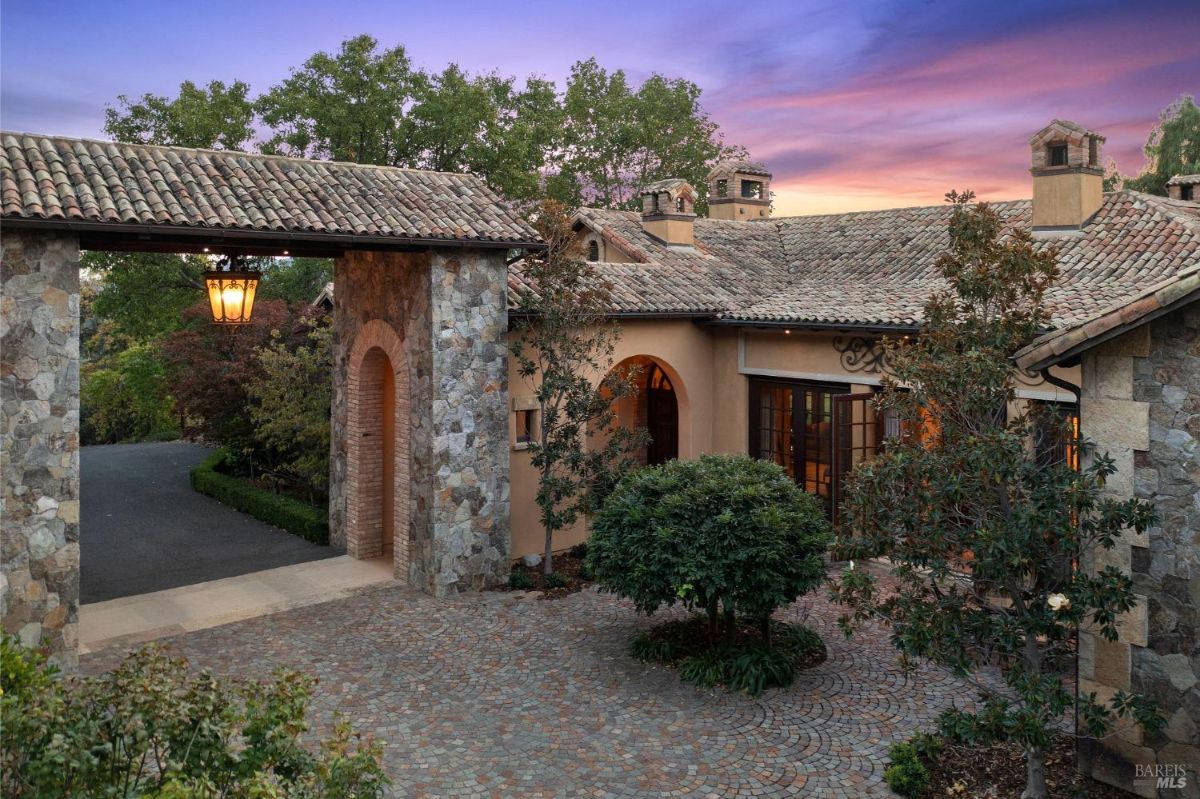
(55, 179)
(739, 165)
(876, 268)
(1126, 314)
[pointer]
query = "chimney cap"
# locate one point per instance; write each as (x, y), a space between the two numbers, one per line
(733, 166)
(1064, 129)
(670, 184)
(1184, 180)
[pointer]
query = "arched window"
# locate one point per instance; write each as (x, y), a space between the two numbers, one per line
(593, 250)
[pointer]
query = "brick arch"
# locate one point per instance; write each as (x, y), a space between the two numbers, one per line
(378, 363)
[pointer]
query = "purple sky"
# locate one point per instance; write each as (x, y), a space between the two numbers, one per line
(854, 105)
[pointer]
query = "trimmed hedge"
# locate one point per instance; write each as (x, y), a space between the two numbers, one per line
(296, 517)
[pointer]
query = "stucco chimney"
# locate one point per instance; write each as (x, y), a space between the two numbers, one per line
(739, 190)
(668, 211)
(1068, 180)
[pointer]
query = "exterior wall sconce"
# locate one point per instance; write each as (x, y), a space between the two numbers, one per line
(231, 290)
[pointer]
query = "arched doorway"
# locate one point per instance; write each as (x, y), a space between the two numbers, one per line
(662, 417)
(655, 406)
(377, 474)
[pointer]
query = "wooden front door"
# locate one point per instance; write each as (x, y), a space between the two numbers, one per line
(662, 417)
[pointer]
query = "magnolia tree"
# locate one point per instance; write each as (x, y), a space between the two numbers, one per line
(985, 536)
(563, 339)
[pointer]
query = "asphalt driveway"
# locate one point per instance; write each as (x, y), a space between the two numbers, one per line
(143, 528)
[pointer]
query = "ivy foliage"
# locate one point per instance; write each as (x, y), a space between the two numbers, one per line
(994, 549)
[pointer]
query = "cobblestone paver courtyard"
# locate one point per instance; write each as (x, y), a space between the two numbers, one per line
(493, 695)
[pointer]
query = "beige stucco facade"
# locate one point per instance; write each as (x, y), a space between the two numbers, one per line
(711, 367)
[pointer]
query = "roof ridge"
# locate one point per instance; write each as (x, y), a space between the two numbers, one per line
(274, 156)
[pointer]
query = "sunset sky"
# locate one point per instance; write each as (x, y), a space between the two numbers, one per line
(853, 105)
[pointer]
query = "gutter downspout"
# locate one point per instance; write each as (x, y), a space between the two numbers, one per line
(1067, 385)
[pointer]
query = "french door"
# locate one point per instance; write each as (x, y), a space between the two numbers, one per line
(792, 424)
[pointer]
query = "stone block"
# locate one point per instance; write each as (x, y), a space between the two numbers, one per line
(1116, 423)
(1135, 343)
(1112, 663)
(1114, 376)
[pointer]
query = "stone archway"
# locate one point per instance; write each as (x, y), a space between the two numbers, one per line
(378, 463)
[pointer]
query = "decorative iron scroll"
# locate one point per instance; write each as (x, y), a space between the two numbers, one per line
(862, 354)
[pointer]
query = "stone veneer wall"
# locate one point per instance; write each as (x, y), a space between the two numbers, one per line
(39, 420)
(1141, 404)
(449, 310)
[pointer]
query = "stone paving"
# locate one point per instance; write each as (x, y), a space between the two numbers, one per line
(491, 695)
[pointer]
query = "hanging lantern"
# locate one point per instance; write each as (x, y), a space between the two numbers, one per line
(231, 292)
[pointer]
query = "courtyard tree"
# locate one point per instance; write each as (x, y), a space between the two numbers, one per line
(730, 536)
(1173, 147)
(986, 539)
(563, 343)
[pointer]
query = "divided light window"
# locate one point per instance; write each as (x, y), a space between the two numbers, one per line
(791, 424)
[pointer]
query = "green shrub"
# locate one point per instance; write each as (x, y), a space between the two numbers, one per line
(152, 727)
(519, 580)
(580, 550)
(653, 649)
(556, 580)
(907, 774)
(299, 518)
(744, 663)
(723, 533)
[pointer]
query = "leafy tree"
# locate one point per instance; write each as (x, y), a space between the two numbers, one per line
(562, 341)
(214, 117)
(1173, 147)
(484, 125)
(294, 280)
(144, 294)
(209, 369)
(618, 139)
(726, 533)
(152, 727)
(985, 539)
(124, 397)
(351, 106)
(291, 396)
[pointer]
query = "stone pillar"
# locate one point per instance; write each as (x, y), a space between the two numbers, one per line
(471, 535)
(39, 395)
(448, 308)
(1141, 405)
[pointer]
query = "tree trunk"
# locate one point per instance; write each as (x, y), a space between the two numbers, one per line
(766, 629)
(712, 620)
(730, 621)
(1035, 774)
(547, 566)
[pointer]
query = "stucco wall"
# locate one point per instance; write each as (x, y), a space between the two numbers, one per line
(711, 368)
(39, 420)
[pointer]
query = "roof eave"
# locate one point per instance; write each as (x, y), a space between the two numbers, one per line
(233, 237)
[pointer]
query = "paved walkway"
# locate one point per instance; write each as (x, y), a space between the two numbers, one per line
(496, 695)
(143, 528)
(145, 617)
